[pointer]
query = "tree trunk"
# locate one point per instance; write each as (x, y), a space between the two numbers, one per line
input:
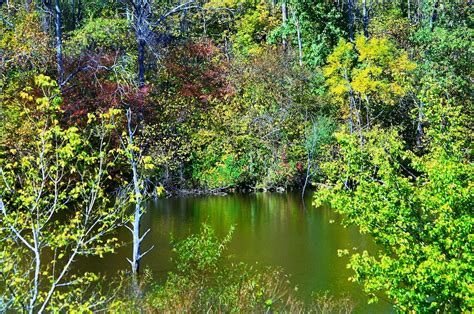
(79, 11)
(365, 18)
(137, 237)
(408, 9)
(419, 11)
(141, 62)
(284, 18)
(308, 173)
(28, 5)
(137, 198)
(136, 221)
(73, 10)
(419, 127)
(434, 15)
(59, 42)
(350, 18)
(300, 43)
(351, 104)
(141, 31)
(46, 16)
(359, 121)
(183, 23)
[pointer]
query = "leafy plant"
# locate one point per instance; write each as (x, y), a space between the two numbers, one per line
(100, 35)
(54, 208)
(418, 208)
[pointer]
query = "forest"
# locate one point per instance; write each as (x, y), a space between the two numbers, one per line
(106, 105)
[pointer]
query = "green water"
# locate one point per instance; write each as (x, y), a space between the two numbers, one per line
(272, 229)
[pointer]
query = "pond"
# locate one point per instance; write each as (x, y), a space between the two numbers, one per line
(273, 229)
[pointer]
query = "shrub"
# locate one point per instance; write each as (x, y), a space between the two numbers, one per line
(99, 35)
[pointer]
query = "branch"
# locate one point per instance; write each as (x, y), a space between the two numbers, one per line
(55, 283)
(130, 229)
(9, 24)
(5, 179)
(144, 235)
(74, 73)
(146, 252)
(176, 9)
(12, 228)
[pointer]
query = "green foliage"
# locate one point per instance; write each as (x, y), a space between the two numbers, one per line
(394, 25)
(100, 35)
(319, 134)
(252, 21)
(24, 47)
(445, 60)
(98, 8)
(201, 254)
(226, 172)
(321, 25)
(53, 207)
(224, 107)
(206, 281)
(373, 69)
(418, 208)
(253, 27)
(250, 136)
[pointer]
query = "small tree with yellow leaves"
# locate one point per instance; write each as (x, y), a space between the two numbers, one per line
(366, 78)
(53, 208)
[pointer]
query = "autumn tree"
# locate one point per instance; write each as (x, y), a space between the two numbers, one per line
(54, 208)
(136, 190)
(367, 78)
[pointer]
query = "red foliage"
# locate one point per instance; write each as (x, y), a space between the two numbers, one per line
(198, 70)
(299, 166)
(92, 91)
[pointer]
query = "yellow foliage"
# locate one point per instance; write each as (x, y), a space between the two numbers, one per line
(372, 68)
(26, 45)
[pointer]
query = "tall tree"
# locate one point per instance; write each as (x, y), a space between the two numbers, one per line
(144, 21)
(141, 24)
(284, 19)
(351, 19)
(138, 164)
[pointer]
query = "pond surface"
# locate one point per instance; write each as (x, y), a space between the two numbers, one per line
(273, 229)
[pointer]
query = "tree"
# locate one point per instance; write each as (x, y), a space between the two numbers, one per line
(351, 19)
(53, 208)
(59, 41)
(138, 164)
(23, 46)
(365, 18)
(367, 78)
(316, 27)
(144, 23)
(418, 208)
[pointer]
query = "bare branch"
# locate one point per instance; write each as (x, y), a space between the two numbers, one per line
(146, 252)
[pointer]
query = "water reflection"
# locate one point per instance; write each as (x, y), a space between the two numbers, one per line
(270, 228)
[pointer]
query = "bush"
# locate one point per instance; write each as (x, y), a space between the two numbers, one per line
(100, 35)
(226, 172)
